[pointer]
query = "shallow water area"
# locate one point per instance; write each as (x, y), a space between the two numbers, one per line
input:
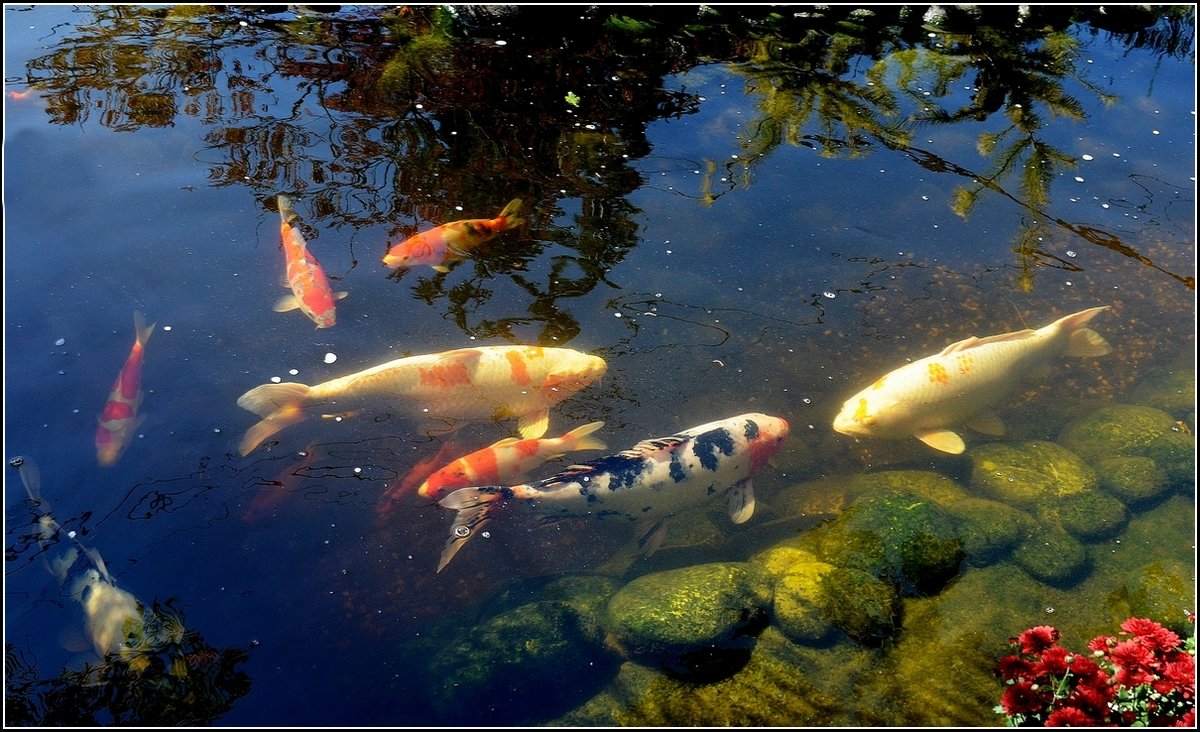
(752, 212)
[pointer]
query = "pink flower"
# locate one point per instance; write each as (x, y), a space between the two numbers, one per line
(1036, 640)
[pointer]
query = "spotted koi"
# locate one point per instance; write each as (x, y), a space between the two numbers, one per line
(444, 245)
(653, 480)
(120, 418)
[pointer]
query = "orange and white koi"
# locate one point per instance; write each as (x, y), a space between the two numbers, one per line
(310, 287)
(468, 384)
(651, 481)
(508, 460)
(120, 418)
(444, 245)
(962, 383)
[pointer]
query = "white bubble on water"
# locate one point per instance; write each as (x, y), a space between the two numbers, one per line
(60, 341)
(293, 372)
(1088, 157)
(330, 357)
(275, 379)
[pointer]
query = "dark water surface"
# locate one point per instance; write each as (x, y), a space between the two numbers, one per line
(739, 214)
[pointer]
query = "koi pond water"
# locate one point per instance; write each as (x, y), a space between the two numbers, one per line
(714, 230)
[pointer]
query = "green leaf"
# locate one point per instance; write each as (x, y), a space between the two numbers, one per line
(572, 99)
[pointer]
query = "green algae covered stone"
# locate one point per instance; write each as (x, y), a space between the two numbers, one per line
(681, 610)
(941, 489)
(1133, 480)
(1171, 388)
(1052, 556)
(797, 606)
(1175, 453)
(1118, 429)
(989, 529)
(533, 643)
(1025, 473)
(861, 604)
(1090, 516)
(898, 536)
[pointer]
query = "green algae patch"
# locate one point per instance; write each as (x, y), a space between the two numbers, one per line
(989, 529)
(861, 604)
(797, 607)
(681, 610)
(1025, 473)
(1163, 591)
(1118, 429)
(941, 489)
(1170, 388)
(1133, 480)
(1089, 517)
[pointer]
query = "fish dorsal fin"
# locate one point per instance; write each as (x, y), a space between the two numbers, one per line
(989, 423)
(505, 442)
(944, 440)
(741, 501)
(974, 342)
(534, 424)
(655, 447)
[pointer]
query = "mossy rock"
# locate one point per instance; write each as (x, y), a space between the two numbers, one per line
(1133, 480)
(1118, 429)
(941, 489)
(861, 604)
(989, 529)
(1175, 453)
(1025, 473)
(1053, 557)
(1162, 591)
(781, 560)
(1089, 517)
(797, 605)
(667, 614)
(898, 536)
(1171, 389)
(533, 642)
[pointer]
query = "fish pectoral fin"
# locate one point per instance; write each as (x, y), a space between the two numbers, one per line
(340, 295)
(1086, 342)
(988, 423)
(741, 501)
(651, 537)
(285, 304)
(534, 424)
(474, 506)
(440, 268)
(944, 440)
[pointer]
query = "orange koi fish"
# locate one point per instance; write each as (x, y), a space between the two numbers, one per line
(508, 460)
(444, 245)
(468, 384)
(421, 470)
(120, 419)
(310, 288)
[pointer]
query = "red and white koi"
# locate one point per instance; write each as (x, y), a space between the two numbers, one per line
(444, 245)
(468, 384)
(120, 418)
(311, 292)
(508, 460)
(653, 480)
(962, 383)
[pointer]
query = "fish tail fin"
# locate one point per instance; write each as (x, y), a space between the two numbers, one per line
(509, 214)
(278, 404)
(580, 438)
(474, 506)
(1083, 341)
(140, 329)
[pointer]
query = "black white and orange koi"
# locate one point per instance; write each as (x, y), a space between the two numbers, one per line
(311, 292)
(120, 418)
(444, 245)
(651, 481)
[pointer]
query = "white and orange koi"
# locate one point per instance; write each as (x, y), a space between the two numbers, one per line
(444, 245)
(468, 384)
(962, 383)
(508, 460)
(311, 292)
(120, 418)
(651, 481)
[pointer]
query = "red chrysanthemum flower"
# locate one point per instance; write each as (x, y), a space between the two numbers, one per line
(1053, 662)
(1188, 719)
(1158, 637)
(1070, 717)
(1020, 698)
(1084, 667)
(1102, 643)
(1179, 675)
(1035, 640)
(1014, 667)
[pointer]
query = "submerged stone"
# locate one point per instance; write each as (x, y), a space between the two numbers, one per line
(898, 536)
(1162, 591)
(1025, 473)
(1175, 453)
(1170, 388)
(861, 604)
(1090, 516)
(1052, 556)
(989, 529)
(797, 606)
(1118, 429)
(678, 616)
(1133, 480)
